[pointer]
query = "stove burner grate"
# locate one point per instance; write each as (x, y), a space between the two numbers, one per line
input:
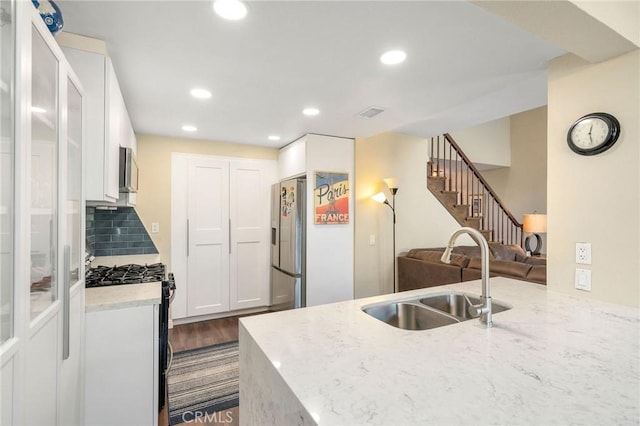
(101, 276)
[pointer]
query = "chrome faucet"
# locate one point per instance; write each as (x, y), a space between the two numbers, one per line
(482, 310)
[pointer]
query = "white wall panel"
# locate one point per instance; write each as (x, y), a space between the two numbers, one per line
(330, 254)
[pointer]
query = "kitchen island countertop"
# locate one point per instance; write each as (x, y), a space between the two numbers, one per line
(551, 359)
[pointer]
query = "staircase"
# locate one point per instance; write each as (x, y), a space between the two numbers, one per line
(461, 189)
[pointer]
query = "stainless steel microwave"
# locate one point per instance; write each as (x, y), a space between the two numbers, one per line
(128, 171)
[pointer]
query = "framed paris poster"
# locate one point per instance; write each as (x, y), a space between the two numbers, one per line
(331, 198)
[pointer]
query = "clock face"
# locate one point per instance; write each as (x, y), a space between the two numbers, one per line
(593, 133)
(590, 133)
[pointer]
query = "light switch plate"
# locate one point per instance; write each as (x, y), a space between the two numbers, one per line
(372, 240)
(155, 227)
(583, 253)
(583, 279)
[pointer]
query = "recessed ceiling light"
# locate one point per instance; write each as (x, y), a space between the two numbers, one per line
(274, 137)
(393, 57)
(189, 128)
(200, 93)
(311, 111)
(232, 10)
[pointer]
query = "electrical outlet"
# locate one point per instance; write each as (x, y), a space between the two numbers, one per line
(372, 240)
(583, 253)
(155, 227)
(583, 279)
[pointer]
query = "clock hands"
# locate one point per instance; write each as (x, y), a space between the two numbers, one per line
(590, 129)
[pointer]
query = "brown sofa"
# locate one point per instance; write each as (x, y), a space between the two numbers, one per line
(422, 267)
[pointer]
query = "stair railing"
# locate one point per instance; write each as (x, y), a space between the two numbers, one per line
(449, 161)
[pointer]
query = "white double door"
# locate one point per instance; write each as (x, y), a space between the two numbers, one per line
(220, 233)
(41, 226)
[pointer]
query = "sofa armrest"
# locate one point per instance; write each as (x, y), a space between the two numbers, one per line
(503, 267)
(538, 274)
(414, 273)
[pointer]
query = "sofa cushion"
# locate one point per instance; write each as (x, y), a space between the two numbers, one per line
(532, 260)
(435, 256)
(503, 267)
(412, 252)
(469, 251)
(507, 252)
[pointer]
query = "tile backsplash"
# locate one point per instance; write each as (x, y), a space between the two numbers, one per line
(117, 232)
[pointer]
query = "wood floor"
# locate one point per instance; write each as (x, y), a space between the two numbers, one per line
(197, 335)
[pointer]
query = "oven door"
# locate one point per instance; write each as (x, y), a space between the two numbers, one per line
(166, 353)
(164, 343)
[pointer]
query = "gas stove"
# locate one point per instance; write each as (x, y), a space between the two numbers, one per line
(102, 276)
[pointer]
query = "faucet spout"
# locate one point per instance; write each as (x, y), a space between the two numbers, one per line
(483, 310)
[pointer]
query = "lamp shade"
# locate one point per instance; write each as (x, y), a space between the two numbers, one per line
(392, 183)
(534, 223)
(380, 197)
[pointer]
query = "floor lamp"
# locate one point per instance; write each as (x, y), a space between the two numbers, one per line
(392, 183)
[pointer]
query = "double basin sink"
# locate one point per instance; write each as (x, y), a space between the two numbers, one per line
(429, 311)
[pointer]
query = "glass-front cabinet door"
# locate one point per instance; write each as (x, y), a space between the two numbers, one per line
(44, 173)
(7, 149)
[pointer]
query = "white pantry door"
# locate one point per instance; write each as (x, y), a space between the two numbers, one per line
(208, 236)
(249, 209)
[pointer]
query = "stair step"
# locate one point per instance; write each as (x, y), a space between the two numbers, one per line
(436, 183)
(486, 234)
(449, 197)
(473, 222)
(462, 208)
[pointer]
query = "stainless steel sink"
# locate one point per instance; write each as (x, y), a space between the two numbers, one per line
(428, 312)
(409, 316)
(457, 304)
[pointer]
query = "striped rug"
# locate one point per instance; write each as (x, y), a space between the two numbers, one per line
(203, 380)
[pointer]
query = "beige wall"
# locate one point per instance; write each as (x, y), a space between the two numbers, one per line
(595, 199)
(421, 220)
(487, 144)
(621, 16)
(154, 161)
(523, 186)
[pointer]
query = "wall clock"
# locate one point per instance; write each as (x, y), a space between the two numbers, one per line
(593, 134)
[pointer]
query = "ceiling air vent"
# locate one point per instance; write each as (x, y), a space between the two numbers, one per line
(371, 112)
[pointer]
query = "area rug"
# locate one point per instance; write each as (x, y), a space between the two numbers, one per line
(203, 381)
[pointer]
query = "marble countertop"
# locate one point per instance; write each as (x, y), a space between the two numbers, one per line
(122, 296)
(551, 359)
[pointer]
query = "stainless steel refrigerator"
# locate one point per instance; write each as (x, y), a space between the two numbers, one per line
(288, 228)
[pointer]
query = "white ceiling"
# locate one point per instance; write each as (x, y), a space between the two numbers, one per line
(464, 66)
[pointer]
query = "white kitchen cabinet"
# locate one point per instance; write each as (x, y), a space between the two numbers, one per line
(220, 233)
(122, 366)
(107, 122)
(43, 222)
